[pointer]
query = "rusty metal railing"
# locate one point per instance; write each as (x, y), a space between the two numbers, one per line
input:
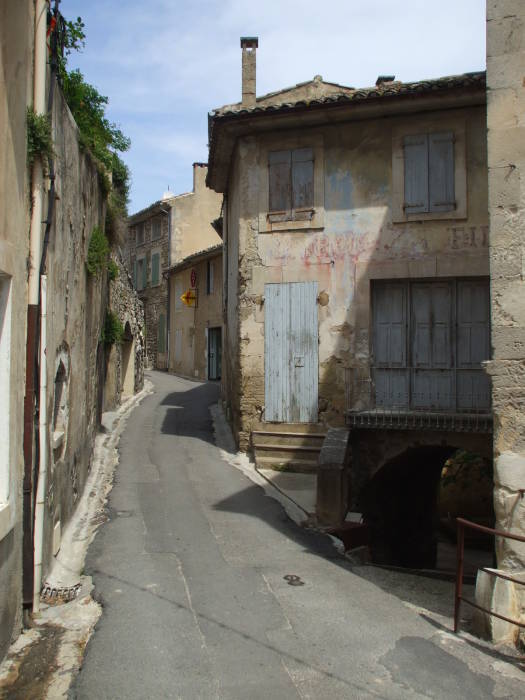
(462, 524)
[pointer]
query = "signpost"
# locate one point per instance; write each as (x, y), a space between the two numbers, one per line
(189, 297)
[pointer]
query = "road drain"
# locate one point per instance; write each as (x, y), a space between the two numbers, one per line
(293, 580)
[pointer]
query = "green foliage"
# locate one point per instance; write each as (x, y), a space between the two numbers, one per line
(39, 139)
(98, 134)
(465, 468)
(113, 331)
(113, 270)
(98, 250)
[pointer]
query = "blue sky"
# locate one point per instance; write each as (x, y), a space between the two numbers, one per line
(164, 64)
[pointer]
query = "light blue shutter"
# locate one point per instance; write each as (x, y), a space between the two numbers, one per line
(390, 344)
(473, 344)
(416, 173)
(279, 174)
(144, 273)
(302, 178)
(441, 171)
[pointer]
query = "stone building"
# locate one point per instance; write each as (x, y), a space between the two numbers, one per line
(17, 23)
(52, 312)
(356, 283)
(163, 234)
(506, 167)
(196, 326)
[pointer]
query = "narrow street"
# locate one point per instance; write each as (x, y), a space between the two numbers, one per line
(190, 570)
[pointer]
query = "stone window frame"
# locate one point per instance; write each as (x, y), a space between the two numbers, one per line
(6, 306)
(427, 125)
(282, 142)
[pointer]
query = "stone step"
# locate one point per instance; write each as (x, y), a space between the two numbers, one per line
(285, 439)
(288, 447)
(290, 464)
(302, 428)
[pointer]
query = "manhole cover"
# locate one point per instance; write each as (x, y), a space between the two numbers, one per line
(293, 580)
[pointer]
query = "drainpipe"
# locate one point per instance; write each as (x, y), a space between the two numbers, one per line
(35, 246)
(42, 436)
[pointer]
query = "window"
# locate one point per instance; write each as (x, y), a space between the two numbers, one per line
(155, 229)
(429, 340)
(140, 274)
(209, 277)
(155, 268)
(291, 185)
(140, 234)
(429, 173)
(429, 178)
(291, 182)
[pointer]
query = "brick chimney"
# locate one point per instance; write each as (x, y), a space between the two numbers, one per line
(249, 46)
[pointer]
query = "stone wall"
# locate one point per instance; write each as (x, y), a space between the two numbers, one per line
(16, 71)
(124, 302)
(76, 308)
(506, 161)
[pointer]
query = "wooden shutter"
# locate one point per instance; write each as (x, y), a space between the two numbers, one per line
(473, 344)
(416, 173)
(144, 273)
(279, 174)
(390, 344)
(431, 345)
(155, 268)
(209, 277)
(302, 178)
(441, 171)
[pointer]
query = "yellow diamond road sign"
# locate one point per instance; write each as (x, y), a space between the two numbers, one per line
(189, 297)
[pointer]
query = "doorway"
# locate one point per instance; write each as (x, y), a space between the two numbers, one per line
(214, 352)
(291, 364)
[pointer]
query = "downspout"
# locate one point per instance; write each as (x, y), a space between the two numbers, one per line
(42, 436)
(35, 249)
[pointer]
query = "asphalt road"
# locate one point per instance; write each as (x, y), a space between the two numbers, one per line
(190, 569)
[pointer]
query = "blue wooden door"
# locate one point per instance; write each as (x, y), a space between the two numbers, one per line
(291, 352)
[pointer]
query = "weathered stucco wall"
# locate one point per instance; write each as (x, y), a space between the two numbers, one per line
(75, 313)
(506, 161)
(16, 61)
(192, 214)
(189, 351)
(358, 241)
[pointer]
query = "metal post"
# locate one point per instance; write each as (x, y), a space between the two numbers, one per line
(459, 573)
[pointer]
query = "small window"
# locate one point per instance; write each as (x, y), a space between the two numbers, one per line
(291, 185)
(140, 234)
(429, 173)
(209, 277)
(140, 274)
(155, 229)
(155, 269)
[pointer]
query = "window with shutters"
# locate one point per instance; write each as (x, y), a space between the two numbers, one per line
(140, 274)
(155, 268)
(291, 183)
(155, 229)
(429, 340)
(209, 277)
(429, 171)
(139, 232)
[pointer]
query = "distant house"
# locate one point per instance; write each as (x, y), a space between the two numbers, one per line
(163, 234)
(196, 315)
(356, 275)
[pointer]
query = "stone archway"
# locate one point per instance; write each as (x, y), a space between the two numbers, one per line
(128, 362)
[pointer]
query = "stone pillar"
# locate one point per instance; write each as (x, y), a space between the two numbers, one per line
(332, 479)
(506, 161)
(249, 46)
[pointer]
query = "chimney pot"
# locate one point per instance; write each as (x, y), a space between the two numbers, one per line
(249, 46)
(382, 79)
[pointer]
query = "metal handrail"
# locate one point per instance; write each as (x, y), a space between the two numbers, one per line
(458, 599)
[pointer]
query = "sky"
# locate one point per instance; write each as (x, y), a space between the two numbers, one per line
(164, 64)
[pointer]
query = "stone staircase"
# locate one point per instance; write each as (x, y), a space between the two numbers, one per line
(288, 446)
